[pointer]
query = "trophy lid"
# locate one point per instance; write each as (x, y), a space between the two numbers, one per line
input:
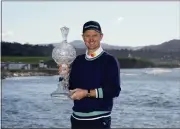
(64, 31)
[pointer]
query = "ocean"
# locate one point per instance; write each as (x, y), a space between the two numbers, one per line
(150, 98)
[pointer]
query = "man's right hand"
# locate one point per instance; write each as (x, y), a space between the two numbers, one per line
(78, 94)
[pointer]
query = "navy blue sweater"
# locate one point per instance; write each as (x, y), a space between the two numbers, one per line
(103, 74)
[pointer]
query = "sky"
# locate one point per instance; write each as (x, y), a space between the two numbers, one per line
(123, 23)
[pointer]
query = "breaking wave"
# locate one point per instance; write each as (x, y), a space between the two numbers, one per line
(157, 71)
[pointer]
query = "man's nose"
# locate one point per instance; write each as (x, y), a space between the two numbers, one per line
(91, 39)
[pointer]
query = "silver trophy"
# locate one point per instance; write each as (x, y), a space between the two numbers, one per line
(63, 54)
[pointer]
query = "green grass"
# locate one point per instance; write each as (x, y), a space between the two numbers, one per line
(23, 59)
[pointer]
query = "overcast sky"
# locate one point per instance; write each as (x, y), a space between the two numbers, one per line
(123, 23)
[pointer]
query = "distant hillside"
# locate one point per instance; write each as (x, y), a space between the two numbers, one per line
(167, 52)
(169, 46)
(80, 44)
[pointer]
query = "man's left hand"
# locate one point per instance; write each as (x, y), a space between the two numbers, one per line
(78, 93)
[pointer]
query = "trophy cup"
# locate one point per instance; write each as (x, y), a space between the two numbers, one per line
(63, 54)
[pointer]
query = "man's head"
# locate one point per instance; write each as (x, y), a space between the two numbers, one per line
(92, 35)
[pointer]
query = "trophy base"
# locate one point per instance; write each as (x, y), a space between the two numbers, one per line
(60, 96)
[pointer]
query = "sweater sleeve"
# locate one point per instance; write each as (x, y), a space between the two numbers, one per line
(70, 76)
(111, 85)
(71, 73)
(70, 82)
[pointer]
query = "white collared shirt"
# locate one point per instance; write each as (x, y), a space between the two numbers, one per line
(96, 53)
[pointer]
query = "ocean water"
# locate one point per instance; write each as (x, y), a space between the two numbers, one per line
(149, 98)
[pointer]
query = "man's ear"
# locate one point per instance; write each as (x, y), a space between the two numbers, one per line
(102, 36)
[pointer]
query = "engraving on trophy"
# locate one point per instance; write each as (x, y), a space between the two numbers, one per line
(63, 54)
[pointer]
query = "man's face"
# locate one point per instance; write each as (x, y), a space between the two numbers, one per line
(92, 39)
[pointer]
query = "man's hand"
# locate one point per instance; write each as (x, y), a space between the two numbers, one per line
(78, 94)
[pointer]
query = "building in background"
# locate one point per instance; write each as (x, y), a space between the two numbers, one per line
(42, 64)
(15, 66)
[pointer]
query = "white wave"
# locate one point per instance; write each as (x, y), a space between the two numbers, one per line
(158, 71)
(130, 74)
(21, 78)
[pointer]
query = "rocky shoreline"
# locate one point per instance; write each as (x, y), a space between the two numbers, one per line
(8, 74)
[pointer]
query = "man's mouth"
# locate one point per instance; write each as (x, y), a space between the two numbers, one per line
(92, 43)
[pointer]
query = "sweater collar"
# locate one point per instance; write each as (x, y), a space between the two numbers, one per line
(94, 54)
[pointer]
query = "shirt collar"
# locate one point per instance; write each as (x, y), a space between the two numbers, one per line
(94, 54)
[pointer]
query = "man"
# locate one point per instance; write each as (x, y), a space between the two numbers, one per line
(94, 81)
